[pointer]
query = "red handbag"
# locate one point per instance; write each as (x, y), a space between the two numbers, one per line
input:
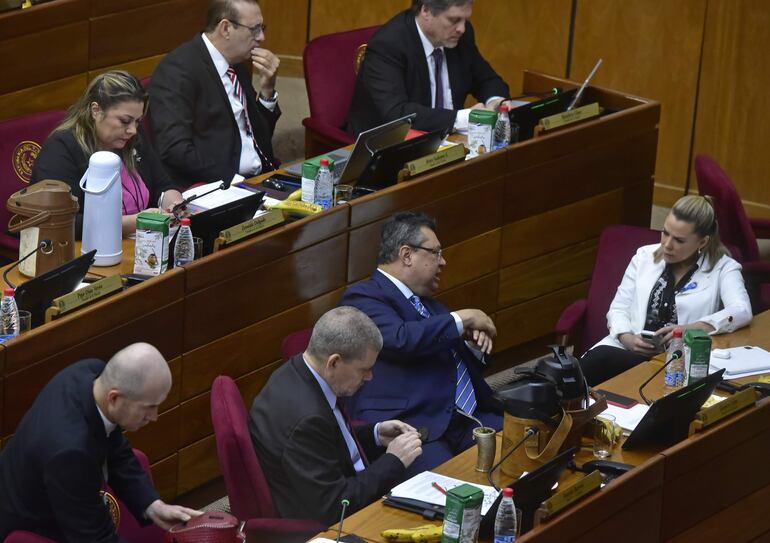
(210, 527)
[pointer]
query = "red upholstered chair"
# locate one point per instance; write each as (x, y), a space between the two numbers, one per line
(295, 343)
(129, 529)
(330, 77)
(737, 229)
(585, 321)
(20, 142)
(245, 482)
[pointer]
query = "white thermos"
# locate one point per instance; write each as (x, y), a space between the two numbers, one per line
(102, 216)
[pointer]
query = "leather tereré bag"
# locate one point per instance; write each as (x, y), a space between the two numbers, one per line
(210, 527)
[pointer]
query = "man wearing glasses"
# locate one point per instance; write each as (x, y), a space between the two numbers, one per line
(428, 373)
(207, 121)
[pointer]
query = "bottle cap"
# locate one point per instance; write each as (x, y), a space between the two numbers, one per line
(508, 492)
(186, 222)
(7, 291)
(504, 108)
(677, 332)
(324, 162)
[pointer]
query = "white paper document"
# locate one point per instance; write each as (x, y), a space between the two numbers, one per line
(626, 418)
(216, 198)
(743, 361)
(420, 487)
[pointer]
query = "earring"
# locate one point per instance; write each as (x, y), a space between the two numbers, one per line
(700, 251)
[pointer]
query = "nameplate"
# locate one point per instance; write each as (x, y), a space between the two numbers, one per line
(570, 117)
(573, 493)
(86, 295)
(436, 160)
(250, 227)
(738, 401)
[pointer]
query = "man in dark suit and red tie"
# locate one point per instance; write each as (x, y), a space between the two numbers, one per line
(312, 456)
(207, 121)
(429, 370)
(424, 61)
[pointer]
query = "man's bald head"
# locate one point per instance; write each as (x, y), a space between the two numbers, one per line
(135, 369)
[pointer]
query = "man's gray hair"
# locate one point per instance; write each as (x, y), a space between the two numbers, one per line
(345, 331)
(402, 229)
(437, 6)
(130, 368)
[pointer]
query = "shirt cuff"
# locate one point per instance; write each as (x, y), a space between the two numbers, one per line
(270, 104)
(461, 120)
(492, 99)
(458, 323)
(376, 435)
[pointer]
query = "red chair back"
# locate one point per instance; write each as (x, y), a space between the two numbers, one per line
(20, 142)
(330, 75)
(617, 244)
(295, 343)
(734, 226)
(244, 479)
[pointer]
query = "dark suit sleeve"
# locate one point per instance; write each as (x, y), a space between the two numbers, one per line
(485, 81)
(127, 478)
(72, 481)
(310, 465)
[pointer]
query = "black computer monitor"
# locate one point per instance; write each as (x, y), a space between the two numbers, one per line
(527, 116)
(208, 224)
(37, 294)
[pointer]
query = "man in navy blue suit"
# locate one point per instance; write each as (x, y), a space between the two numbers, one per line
(429, 370)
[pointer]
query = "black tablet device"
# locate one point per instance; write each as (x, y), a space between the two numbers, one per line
(208, 224)
(668, 419)
(37, 294)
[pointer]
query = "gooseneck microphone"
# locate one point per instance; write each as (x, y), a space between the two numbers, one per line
(345, 502)
(181, 205)
(674, 356)
(532, 430)
(46, 246)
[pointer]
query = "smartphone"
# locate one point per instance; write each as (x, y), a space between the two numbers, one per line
(283, 182)
(650, 336)
(424, 433)
(617, 399)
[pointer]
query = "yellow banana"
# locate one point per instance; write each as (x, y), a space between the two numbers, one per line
(295, 196)
(302, 209)
(431, 534)
(418, 534)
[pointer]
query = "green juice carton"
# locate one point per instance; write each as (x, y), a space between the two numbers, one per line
(481, 129)
(151, 246)
(309, 171)
(697, 354)
(462, 514)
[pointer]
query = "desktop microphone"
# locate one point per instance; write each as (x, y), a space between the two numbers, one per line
(345, 502)
(532, 430)
(674, 356)
(181, 205)
(46, 246)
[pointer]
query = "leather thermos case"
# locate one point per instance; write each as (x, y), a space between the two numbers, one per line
(44, 211)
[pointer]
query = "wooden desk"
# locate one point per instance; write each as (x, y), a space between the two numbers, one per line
(519, 228)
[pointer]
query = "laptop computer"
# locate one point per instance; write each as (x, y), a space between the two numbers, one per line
(668, 419)
(352, 163)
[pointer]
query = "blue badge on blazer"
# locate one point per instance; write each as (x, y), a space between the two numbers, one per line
(692, 285)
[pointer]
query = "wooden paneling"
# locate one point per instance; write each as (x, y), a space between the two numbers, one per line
(650, 48)
(471, 259)
(198, 464)
(140, 68)
(329, 16)
(478, 294)
(287, 22)
(733, 120)
(43, 17)
(160, 438)
(174, 395)
(59, 94)
(514, 35)
(164, 476)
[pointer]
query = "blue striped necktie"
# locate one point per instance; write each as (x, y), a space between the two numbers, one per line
(465, 396)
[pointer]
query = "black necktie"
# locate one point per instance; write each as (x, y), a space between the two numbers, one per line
(438, 60)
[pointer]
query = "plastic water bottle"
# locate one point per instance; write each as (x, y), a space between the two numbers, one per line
(184, 250)
(502, 136)
(505, 520)
(9, 313)
(675, 370)
(324, 185)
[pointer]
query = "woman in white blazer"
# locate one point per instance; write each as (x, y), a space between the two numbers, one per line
(686, 281)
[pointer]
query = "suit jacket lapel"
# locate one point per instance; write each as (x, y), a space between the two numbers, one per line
(424, 96)
(214, 78)
(454, 69)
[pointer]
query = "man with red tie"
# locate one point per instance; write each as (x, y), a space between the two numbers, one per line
(312, 456)
(207, 121)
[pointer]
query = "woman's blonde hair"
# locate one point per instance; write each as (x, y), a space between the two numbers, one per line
(107, 90)
(699, 212)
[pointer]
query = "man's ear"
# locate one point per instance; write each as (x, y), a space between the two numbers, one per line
(405, 255)
(112, 396)
(332, 360)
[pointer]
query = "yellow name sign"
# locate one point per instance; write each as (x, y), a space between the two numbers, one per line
(249, 228)
(437, 159)
(570, 117)
(740, 400)
(561, 500)
(86, 295)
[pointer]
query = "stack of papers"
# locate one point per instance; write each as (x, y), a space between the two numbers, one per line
(627, 418)
(420, 487)
(743, 362)
(216, 198)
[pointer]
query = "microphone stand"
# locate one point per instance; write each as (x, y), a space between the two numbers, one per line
(675, 356)
(181, 205)
(532, 430)
(345, 502)
(46, 246)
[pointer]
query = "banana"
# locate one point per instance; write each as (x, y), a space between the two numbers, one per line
(294, 208)
(295, 196)
(427, 533)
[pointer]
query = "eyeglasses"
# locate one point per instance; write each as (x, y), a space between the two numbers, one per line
(255, 30)
(436, 252)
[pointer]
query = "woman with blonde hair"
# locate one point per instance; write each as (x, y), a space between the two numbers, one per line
(108, 118)
(688, 280)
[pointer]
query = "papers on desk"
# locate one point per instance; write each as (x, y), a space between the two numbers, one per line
(743, 362)
(420, 487)
(627, 418)
(216, 198)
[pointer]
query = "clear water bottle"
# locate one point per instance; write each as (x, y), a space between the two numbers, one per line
(675, 370)
(184, 250)
(502, 136)
(324, 185)
(9, 313)
(505, 520)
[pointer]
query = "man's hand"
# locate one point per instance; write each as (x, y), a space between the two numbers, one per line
(637, 344)
(406, 447)
(266, 63)
(480, 340)
(388, 430)
(477, 320)
(165, 516)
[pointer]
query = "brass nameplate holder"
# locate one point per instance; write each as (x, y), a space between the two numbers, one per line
(567, 118)
(248, 228)
(435, 160)
(570, 495)
(738, 401)
(84, 296)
